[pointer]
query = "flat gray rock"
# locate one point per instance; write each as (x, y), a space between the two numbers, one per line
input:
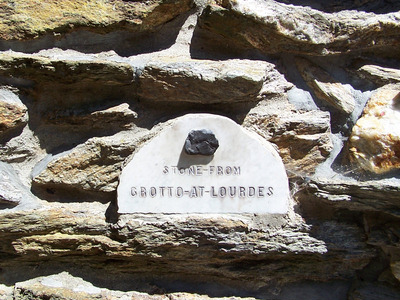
(12, 191)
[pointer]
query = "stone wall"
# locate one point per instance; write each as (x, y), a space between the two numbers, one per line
(84, 84)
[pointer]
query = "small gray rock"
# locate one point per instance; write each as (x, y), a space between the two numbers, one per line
(202, 142)
(12, 191)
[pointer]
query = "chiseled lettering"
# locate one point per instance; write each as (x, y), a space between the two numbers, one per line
(166, 170)
(199, 170)
(162, 190)
(270, 191)
(179, 192)
(222, 191)
(143, 192)
(170, 191)
(193, 192)
(211, 170)
(260, 192)
(174, 169)
(192, 170)
(228, 170)
(212, 192)
(232, 191)
(220, 170)
(201, 190)
(242, 192)
(252, 191)
(236, 170)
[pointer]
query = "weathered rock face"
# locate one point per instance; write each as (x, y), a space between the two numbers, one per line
(63, 285)
(272, 28)
(40, 69)
(12, 112)
(375, 141)
(325, 87)
(194, 81)
(12, 191)
(30, 19)
(118, 116)
(93, 166)
(303, 138)
(380, 75)
(334, 200)
(219, 246)
(339, 5)
(84, 85)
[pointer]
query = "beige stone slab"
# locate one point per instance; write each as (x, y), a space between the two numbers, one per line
(245, 174)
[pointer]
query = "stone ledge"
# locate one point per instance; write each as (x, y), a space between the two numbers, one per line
(272, 27)
(368, 196)
(252, 249)
(29, 19)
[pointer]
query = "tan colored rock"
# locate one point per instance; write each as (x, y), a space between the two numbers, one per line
(395, 267)
(48, 70)
(364, 196)
(164, 79)
(246, 251)
(325, 87)
(188, 246)
(64, 286)
(13, 113)
(92, 166)
(206, 81)
(67, 231)
(303, 138)
(30, 19)
(120, 116)
(78, 243)
(374, 144)
(273, 28)
(380, 75)
(191, 248)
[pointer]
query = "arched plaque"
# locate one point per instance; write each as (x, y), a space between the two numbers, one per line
(176, 172)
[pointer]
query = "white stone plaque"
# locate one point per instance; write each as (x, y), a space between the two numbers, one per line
(244, 175)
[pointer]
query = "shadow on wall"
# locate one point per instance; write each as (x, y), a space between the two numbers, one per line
(155, 283)
(59, 193)
(78, 111)
(375, 6)
(206, 44)
(123, 42)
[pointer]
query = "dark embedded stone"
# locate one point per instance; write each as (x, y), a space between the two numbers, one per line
(201, 142)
